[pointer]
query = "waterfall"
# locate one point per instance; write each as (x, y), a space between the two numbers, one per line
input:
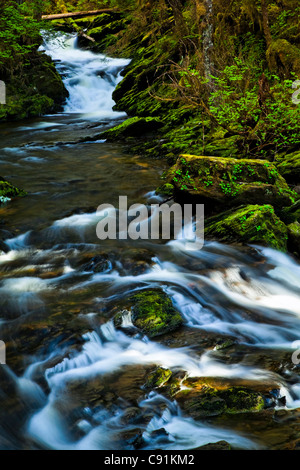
(89, 78)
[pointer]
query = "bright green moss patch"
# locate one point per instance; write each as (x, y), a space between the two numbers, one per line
(132, 127)
(9, 191)
(154, 314)
(158, 378)
(250, 224)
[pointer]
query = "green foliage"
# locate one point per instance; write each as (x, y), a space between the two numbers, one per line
(19, 36)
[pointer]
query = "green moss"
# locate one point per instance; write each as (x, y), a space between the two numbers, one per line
(158, 378)
(284, 56)
(250, 224)
(291, 214)
(222, 182)
(289, 167)
(8, 191)
(132, 127)
(294, 238)
(165, 190)
(38, 91)
(208, 401)
(154, 314)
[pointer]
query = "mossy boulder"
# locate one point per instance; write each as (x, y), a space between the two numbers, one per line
(132, 127)
(226, 182)
(291, 214)
(289, 167)
(250, 224)
(154, 314)
(284, 57)
(9, 191)
(206, 401)
(294, 238)
(48, 82)
(39, 90)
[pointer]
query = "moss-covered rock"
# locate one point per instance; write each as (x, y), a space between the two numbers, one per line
(294, 238)
(165, 190)
(250, 224)
(158, 378)
(226, 182)
(289, 167)
(226, 147)
(291, 214)
(284, 57)
(9, 191)
(207, 401)
(154, 314)
(39, 90)
(132, 127)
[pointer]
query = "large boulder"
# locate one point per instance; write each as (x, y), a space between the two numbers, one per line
(251, 224)
(220, 183)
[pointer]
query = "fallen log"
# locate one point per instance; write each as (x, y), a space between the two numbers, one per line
(78, 14)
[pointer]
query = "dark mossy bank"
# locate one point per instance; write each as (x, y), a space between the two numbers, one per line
(33, 86)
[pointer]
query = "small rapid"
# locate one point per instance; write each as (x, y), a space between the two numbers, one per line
(73, 380)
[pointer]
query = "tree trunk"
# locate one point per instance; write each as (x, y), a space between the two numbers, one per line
(266, 26)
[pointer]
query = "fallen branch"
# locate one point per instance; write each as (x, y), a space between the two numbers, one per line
(78, 14)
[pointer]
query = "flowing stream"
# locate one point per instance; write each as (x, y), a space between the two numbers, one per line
(73, 381)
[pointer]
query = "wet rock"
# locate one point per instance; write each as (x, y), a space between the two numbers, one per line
(220, 183)
(158, 378)
(134, 438)
(132, 127)
(221, 445)
(98, 264)
(166, 190)
(154, 314)
(8, 190)
(205, 401)
(249, 224)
